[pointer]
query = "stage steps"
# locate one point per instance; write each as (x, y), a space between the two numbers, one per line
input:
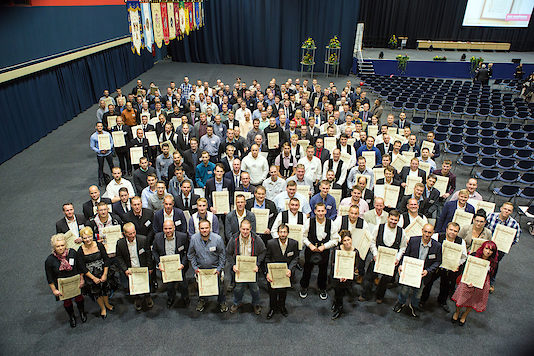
(366, 67)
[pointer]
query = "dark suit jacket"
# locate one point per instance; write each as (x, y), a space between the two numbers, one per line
(232, 224)
(62, 227)
(192, 208)
(401, 206)
(143, 253)
(448, 213)
(269, 204)
(432, 260)
(144, 143)
(229, 175)
(325, 155)
(88, 207)
(210, 188)
(180, 223)
(406, 170)
(405, 124)
(429, 204)
(115, 220)
(127, 138)
(143, 225)
(181, 247)
(119, 210)
(189, 165)
(274, 253)
(382, 149)
(181, 144)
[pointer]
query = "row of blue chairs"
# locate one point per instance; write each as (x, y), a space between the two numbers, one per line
(512, 192)
(509, 177)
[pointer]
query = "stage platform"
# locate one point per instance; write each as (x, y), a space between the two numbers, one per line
(421, 63)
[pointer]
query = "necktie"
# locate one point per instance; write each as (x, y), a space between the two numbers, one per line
(186, 203)
(125, 207)
(237, 181)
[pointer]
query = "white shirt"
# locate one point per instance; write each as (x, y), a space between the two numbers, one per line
(272, 188)
(240, 114)
(73, 226)
(258, 168)
(321, 235)
(112, 190)
(373, 219)
(343, 175)
(168, 216)
(132, 248)
(313, 168)
(401, 219)
(389, 239)
(291, 220)
(241, 217)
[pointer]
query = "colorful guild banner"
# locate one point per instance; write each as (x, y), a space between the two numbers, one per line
(134, 22)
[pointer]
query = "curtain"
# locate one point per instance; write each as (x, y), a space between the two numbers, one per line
(432, 20)
(35, 105)
(269, 33)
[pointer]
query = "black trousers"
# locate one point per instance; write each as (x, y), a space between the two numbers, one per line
(101, 159)
(340, 289)
(308, 268)
(277, 298)
(447, 285)
(182, 286)
(368, 282)
(124, 161)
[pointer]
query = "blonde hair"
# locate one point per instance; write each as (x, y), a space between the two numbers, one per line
(464, 192)
(54, 239)
(86, 231)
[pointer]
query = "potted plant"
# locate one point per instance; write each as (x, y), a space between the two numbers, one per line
(393, 42)
(475, 63)
(440, 58)
(309, 44)
(402, 62)
(334, 43)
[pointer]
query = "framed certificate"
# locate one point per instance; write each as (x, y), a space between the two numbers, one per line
(207, 283)
(503, 236)
(414, 229)
(361, 240)
(330, 143)
(487, 206)
(372, 130)
(303, 144)
(262, 219)
(378, 173)
(112, 234)
(429, 145)
(304, 190)
(295, 233)
(135, 154)
(410, 183)
(425, 167)
(336, 193)
(392, 131)
(112, 121)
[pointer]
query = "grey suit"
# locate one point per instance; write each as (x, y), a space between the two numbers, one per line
(232, 223)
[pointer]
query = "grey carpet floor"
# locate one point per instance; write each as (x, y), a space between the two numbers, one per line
(60, 168)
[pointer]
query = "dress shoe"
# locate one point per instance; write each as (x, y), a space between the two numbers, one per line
(138, 305)
(270, 314)
(149, 303)
(234, 308)
(186, 301)
(104, 316)
(170, 303)
(337, 313)
(72, 321)
(257, 309)
(454, 321)
(445, 307)
(223, 308)
(284, 312)
(200, 305)
(83, 317)
(379, 301)
(398, 307)
(413, 312)
(492, 289)
(461, 323)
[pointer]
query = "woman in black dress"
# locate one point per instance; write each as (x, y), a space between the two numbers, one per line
(62, 264)
(94, 264)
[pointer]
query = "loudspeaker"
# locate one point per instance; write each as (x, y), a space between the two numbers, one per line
(516, 61)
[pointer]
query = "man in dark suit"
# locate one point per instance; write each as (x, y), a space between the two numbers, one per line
(141, 258)
(482, 75)
(191, 158)
(431, 197)
(428, 250)
(402, 122)
(169, 211)
(193, 115)
(409, 171)
(140, 141)
(123, 206)
(141, 218)
(320, 152)
(89, 207)
(259, 202)
(411, 146)
(182, 139)
(385, 147)
(187, 199)
(139, 86)
(218, 183)
(239, 213)
(172, 242)
(450, 207)
(281, 250)
(123, 152)
(71, 222)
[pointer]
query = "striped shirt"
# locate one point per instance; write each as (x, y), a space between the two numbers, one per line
(493, 219)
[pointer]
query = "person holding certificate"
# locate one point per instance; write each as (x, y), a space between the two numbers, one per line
(422, 248)
(447, 276)
(342, 285)
(167, 243)
(202, 214)
(94, 264)
(134, 251)
(62, 263)
(259, 201)
(281, 250)
(206, 251)
(218, 184)
(502, 218)
(100, 138)
(122, 151)
(450, 208)
(322, 236)
(235, 218)
(275, 136)
(325, 198)
(477, 230)
(471, 297)
(246, 243)
(387, 235)
(103, 219)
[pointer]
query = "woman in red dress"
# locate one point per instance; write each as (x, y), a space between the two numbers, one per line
(471, 297)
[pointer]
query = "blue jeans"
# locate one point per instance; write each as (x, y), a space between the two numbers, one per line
(239, 290)
(405, 291)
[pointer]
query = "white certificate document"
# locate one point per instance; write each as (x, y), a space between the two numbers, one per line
(112, 234)
(171, 271)
(385, 260)
(303, 144)
(392, 131)
(245, 266)
(412, 268)
(503, 236)
(278, 271)
(361, 240)
(207, 283)
(476, 243)
(69, 241)
(370, 159)
(344, 210)
(344, 264)
(475, 272)
(112, 121)
(262, 219)
(176, 122)
(378, 173)
(462, 218)
(134, 130)
(391, 195)
(135, 154)
(415, 228)
(138, 280)
(425, 167)
(295, 233)
(336, 193)
(103, 142)
(304, 190)
(487, 206)
(408, 155)
(351, 141)
(118, 138)
(273, 139)
(410, 183)
(69, 287)
(330, 143)
(441, 184)
(345, 157)
(429, 145)
(221, 202)
(247, 195)
(372, 130)
(400, 162)
(152, 138)
(450, 255)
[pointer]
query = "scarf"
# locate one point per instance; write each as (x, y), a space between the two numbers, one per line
(65, 265)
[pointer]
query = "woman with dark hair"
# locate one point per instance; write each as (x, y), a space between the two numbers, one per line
(342, 285)
(471, 297)
(477, 230)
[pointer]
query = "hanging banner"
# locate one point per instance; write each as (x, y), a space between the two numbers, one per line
(146, 17)
(172, 25)
(182, 19)
(165, 22)
(197, 15)
(201, 13)
(186, 12)
(191, 14)
(157, 24)
(134, 25)
(176, 10)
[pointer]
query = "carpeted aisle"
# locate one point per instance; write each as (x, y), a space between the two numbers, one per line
(60, 168)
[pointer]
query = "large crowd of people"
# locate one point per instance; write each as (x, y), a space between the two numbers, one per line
(328, 167)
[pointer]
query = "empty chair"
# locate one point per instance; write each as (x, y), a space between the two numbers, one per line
(525, 165)
(408, 106)
(417, 120)
(530, 137)
(508, 176)
(519, 144)
(485, 125)
(440, 137)
(454, 148)
(470, 140)
(397, 105)
(456, 130)
(517, 135)
(471, 131)
(506, 191)
(471, 124)
(526, 178)
(488, 151)
(527, 193)
(503, 143)
(523, 154)
(528, 128)
(444, 121)
(471, 149)
(500, 126)
(421, 107)
(505, 153)
(454, 139)
(487, 162)
(487, 142)
(483, 112)
(431, 120)
(500, 134)
(506, 163)
(489, 175)
(487, 133)
(426, 128)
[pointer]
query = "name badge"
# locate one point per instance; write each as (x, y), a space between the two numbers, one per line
(431, 257)
(212, 249)
(329, 206)
(178, 222)
(219, 130)
(193, 206)
(289, 254)
(81, 226)
(225, 189)
(71, 261)
(141, 251)
(210, 172)
(431, 201)
(147, 224)
(181, 248)
(271, 215)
